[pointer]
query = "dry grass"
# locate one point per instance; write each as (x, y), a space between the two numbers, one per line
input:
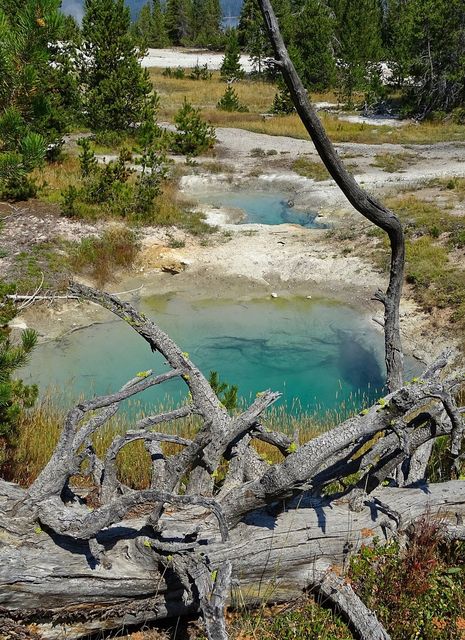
(310, 169)
(55, 177)
(393, 162)
(39, 429)
(101, 257)
(258, 97)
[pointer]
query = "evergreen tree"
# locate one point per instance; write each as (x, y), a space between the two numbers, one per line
(118, 92)
(206, 22)
(149, 28)
(159, 37)
(427, 44)
(141, 28)
(14, 394)
(231, 66)
(32, 111)
(178, 21)
(282, 103)
(193, 135)
(359, 43)
(311, 49)
(252, 35)
(230, 101)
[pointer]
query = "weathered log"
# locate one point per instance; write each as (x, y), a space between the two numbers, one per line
(53, 581)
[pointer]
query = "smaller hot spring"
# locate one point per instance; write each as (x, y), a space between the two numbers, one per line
(264, 208)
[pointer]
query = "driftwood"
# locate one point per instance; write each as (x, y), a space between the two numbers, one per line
(144, 555)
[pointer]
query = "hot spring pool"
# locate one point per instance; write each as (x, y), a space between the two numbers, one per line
(263, 208)
(317, 352)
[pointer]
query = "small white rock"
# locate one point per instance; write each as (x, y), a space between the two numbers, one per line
(308, 297)
(274, 295)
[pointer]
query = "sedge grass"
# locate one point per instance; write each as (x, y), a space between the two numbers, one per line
(39, 430)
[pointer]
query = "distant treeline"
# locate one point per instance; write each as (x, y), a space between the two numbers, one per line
(416, 47)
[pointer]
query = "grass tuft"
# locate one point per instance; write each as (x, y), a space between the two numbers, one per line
(315, 170)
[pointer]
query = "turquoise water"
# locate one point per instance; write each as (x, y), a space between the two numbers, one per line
(264, 208)
(314, 351)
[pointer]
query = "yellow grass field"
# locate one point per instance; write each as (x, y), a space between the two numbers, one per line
(258, 97)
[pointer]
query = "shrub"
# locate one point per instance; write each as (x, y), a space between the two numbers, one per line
(16, 167)
(193, 135)
(227, 393)
(177, 73)
(414, 592)
(15, 396)
(230, 101)
(100, 257)
(200, 73)
(282, 103)
(149, 185)
(87, 159)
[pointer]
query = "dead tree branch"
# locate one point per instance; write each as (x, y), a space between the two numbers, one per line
(362, 201)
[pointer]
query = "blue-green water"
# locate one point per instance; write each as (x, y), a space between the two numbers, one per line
(318, 352)
(264, 208)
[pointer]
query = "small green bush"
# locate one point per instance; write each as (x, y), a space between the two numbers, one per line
(415, 593)
(230, 101)
(193, 135)
(200, 73)
(14, 395)
(282, 103)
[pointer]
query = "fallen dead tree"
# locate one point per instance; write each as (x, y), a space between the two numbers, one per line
(143, 555)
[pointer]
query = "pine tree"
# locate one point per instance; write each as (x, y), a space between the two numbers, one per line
(313, 39)
(398, 35)
(231, 67)
(118, 92)
(230, 101)
(178, 21)
(32, 111)
(193, 135)
(282, 103)
(206, 22)
(149, 28)
(252, 36)
(359, 43)
(159, 37)
(141, 28)
(427, 43)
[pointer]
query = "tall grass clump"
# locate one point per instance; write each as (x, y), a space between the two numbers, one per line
(100, 257)
(39, 429)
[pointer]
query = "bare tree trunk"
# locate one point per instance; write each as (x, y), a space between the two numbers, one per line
(362, 201)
